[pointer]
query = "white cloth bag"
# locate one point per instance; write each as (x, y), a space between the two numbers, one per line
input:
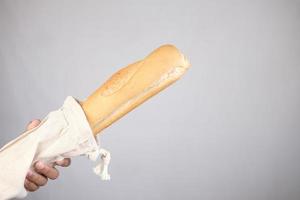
(64, 133)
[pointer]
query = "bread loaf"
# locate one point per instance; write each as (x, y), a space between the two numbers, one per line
(132, 85)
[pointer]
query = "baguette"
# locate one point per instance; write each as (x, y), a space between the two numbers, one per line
(132, 85)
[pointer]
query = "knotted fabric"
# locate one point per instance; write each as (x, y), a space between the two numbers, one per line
(64, 133)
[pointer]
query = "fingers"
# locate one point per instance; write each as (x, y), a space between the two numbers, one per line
(39, 177)
(29, 186)
(47, 171)
(64, 163)
(33, 124)
(42, 171)
(36, 178)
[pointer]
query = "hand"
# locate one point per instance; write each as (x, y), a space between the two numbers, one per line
(39, 177)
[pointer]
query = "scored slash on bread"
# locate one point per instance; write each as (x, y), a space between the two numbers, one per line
(132, 85)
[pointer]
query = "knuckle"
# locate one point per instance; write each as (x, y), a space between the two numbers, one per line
(44, 171)
(55, 175)
(29, 186)
(35, 178)
(30, 178)
(52, 173)
(43, 182)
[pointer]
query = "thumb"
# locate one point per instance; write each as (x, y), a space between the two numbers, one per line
(33, 124)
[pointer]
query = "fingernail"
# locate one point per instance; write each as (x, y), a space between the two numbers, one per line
(40, 165)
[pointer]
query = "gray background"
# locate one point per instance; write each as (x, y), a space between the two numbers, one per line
(229, 129)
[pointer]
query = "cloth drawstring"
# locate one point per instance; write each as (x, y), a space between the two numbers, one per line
(102, 168)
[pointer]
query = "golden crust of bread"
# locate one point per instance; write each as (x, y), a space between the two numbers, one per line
(132, 85)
